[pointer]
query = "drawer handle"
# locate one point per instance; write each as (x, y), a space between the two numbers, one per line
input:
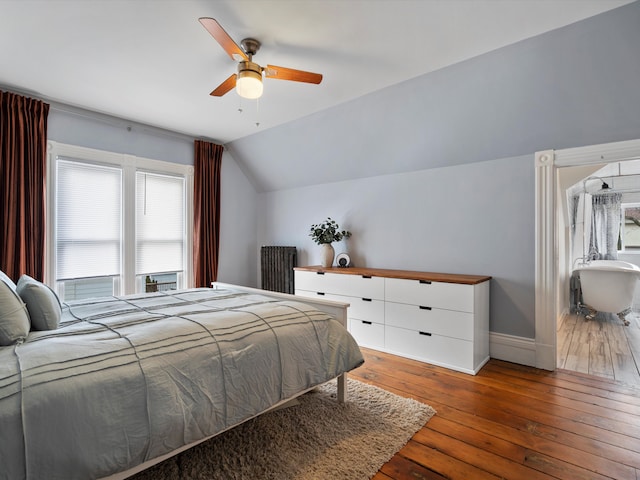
(422, 307)
(366, 322)
(319, 273)
(366, 299)
(425, 333)
(425, 282)
(320, 293)
(366, 276)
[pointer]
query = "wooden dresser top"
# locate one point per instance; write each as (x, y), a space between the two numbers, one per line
(405, 274)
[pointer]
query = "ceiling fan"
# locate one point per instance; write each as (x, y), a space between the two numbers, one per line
(248, 80)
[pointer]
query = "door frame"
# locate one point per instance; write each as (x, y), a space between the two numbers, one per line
(547, 163)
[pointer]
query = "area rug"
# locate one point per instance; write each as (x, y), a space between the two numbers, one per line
(317, 439)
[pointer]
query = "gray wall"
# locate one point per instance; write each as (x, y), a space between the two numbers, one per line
(93, 130)
(237, 263)
(487, 116)
(473, 219)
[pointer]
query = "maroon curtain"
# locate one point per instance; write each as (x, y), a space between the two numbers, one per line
(206, 212)
(23, 150)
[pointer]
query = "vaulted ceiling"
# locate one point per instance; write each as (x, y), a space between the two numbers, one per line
(151, 61)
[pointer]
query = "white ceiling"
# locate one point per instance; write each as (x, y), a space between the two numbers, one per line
(151, 61)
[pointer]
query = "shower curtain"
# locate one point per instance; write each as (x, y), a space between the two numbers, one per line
(595, 231)
(580, 214)
(605, 226)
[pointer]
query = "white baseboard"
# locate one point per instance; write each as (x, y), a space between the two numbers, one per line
(512, 349)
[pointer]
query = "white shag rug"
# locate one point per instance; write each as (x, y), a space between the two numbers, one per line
(317, 439)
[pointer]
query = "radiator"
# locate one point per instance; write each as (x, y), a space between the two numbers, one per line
(277, 268)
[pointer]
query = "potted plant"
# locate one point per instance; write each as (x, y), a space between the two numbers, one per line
(324, 234)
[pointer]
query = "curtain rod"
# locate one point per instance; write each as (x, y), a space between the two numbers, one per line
(613, 177)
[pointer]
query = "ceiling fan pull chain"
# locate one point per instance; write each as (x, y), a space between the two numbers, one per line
(257, 112)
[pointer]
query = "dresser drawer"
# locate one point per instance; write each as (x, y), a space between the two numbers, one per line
(451, 296)
(360, 308)
(438, 321)
(358, 286)
(325, 296)
(366, 309)
(311, 281)
(341, 284)
(305, 293)
(366, 333)
(444, 351)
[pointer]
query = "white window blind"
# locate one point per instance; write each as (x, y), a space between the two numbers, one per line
(160, 223)
(88, 220)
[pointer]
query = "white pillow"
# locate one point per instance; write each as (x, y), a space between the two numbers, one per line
(42, 302)
(14, 318)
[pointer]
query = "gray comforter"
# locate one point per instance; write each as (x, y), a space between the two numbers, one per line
(124, 380)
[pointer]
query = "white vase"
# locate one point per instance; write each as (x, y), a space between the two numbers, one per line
(326, 255)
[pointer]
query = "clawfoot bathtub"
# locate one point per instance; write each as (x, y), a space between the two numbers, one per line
(608, 286)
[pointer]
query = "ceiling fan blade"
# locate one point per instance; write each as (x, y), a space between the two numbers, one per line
(282, 73)
(223, 38)
(225, 86)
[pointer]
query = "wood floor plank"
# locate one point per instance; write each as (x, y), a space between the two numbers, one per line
(599, 352)
(633, 339)
(402, 468)
(381, 476)
(578, 355)
(496, 425)
(557, 470)
(565, 333)
(444, 464)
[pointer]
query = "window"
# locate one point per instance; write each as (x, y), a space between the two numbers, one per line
(160, 231)
(88, 234)
(119, 224)
(630, 231)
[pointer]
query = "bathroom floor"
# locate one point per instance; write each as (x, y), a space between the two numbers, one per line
(602, 346)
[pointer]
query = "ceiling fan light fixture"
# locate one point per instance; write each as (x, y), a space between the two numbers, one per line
(249, 81)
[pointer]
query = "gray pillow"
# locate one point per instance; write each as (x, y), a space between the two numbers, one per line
(42, 302)
(14, 318)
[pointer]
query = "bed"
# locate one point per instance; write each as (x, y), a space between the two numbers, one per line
(124, 382)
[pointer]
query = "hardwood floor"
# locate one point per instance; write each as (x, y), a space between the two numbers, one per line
(511, 422)
(602, 346)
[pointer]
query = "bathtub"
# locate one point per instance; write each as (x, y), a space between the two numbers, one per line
(608, 286)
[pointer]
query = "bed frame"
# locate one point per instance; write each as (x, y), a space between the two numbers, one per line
(337, 309)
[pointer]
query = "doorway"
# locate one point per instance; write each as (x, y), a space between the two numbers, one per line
(602, 346)
(550, 272)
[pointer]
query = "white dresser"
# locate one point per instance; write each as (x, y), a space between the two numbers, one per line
(433, 317)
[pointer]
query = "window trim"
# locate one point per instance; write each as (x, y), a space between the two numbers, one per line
(129, 164)
(624, 251)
